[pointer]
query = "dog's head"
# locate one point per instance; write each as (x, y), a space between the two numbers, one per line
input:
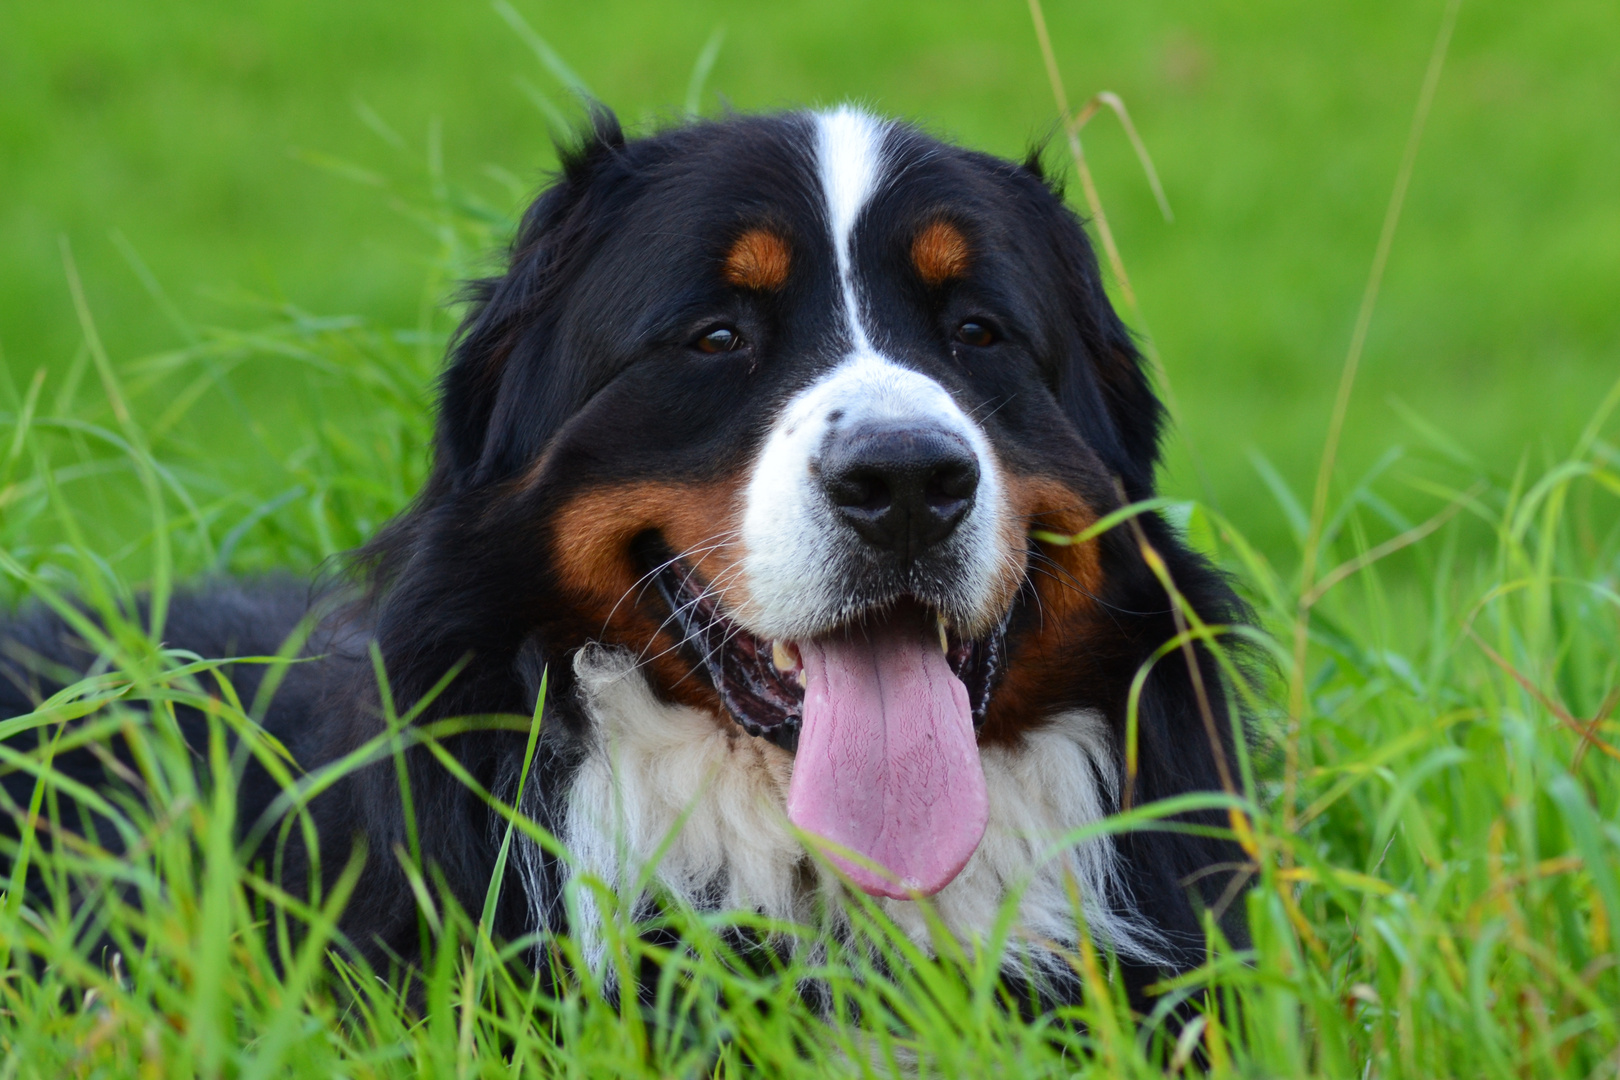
(776, 403)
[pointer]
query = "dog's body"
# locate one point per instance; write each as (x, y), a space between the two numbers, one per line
(745, 451)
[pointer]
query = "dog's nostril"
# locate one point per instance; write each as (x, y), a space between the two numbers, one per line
(901, 487)
(860, 489)
(953, 483)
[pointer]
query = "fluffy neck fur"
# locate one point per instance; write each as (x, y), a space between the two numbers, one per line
(660, 777)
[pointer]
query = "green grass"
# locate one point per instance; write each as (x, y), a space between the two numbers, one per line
(1435, 789)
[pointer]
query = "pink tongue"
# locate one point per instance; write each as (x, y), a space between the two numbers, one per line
(887, 765)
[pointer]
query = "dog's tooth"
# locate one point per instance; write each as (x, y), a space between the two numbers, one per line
(781, 657)
(944, 643)
(804, 679)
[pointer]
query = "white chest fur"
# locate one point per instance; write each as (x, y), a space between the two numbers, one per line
(666, 793)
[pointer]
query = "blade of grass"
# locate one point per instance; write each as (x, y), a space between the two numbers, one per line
(1341, 401)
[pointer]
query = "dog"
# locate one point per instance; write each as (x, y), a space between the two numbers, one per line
(771, 455)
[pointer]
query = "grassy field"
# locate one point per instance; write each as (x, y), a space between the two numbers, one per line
(229, 235)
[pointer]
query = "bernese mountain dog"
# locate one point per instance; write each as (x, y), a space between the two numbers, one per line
(766, 455)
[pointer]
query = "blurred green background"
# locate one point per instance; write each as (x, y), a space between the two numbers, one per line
(203, 134)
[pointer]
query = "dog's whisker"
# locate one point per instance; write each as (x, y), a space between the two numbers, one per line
(695, 602)
(706, 546)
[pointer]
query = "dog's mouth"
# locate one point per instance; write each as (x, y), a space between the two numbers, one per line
(882, 715)
(762, 683)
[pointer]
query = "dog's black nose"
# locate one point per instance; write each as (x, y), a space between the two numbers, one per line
(902, 487)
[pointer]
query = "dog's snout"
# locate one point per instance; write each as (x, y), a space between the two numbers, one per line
(902, 487)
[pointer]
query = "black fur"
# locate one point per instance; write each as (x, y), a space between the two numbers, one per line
(573, 368)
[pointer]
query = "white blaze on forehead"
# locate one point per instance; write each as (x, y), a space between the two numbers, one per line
(800, 561)
(849, 152)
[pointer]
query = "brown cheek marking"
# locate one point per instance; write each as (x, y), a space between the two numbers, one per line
(603, 580)
(940, 253)
(1065, 581)
(759, 260)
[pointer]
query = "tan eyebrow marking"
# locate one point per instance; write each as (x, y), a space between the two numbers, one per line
(940, 253)
(760, 259)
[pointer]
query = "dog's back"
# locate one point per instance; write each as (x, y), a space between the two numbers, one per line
(41, 653)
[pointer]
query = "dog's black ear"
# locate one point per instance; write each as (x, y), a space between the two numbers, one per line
(512, 313)
(1034, 163)
(1101, 379)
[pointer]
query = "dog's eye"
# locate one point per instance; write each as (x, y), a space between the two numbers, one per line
(720, 339)
(975, 333)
